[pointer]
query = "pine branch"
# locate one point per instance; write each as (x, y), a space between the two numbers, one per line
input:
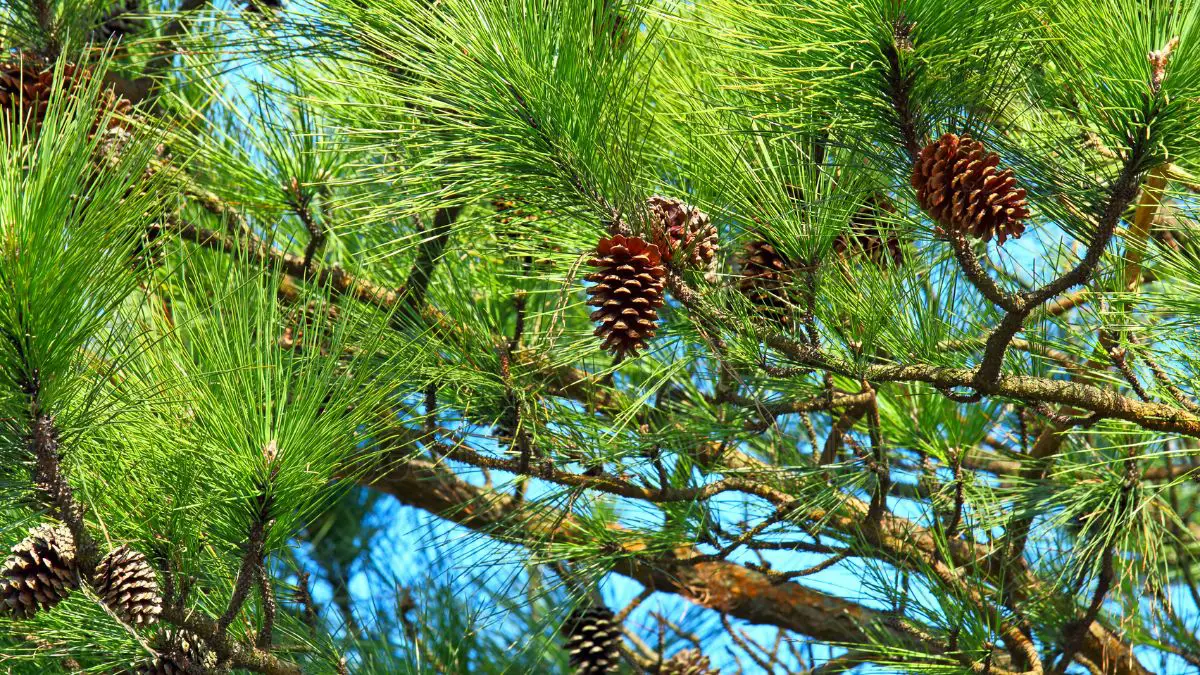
(236, 654)
(724, 586)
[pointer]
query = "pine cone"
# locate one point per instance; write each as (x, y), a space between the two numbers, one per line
(25, 89)
(683, 234)
(627, 290)
(593, 640)
(27, 85)
(127, 584)
(868, 237)
(40, 572)
(765, 274)
(688, 662)
(180, 652)
(959, 185)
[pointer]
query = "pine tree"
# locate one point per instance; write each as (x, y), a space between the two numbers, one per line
(557, 336)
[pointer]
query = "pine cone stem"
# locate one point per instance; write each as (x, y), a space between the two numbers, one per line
(978, 277)
(56, 491)
(267, 594)
(247, 573)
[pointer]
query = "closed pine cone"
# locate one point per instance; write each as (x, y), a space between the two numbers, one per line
(180, 652)
(688, 662)
(960, 186)
(593, 640)
(765, 275)
(126, 582)
(869, 237)
(683, 233)
(40, 572)
(627, 291)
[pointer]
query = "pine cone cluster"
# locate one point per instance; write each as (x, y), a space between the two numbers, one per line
(765, 274)
(39, 573)
(27, 85)
(869, 237)
(626, 290)
(180, 652)
(688, 662)
(126, 583)
(593, 640)
(960, 186)
(683, 233)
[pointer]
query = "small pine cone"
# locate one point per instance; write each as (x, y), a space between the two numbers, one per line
(765, 274)
(627, 291)
(688, 662)
(869, 237)
(180, 652)
(683, 233)
(127, 584)
(959, 185)
(40, 572)
(593, 640)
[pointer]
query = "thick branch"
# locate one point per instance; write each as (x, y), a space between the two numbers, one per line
(726, 587)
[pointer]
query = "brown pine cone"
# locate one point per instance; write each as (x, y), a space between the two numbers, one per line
(40, 572)
(688, 662)
(683, 233)
(765, 274)
(593, 640)
(126, 583)
(627, 291)
(867, 236)
(27, 85)
(959, 185)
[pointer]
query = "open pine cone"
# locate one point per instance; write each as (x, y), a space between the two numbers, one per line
(126, 582)
(683, 233)
(960, 186)
(627, 291)
(40, 572)
(27, 85)
(593, 640)
(869, 237)
(688, 662)
(765, 274)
